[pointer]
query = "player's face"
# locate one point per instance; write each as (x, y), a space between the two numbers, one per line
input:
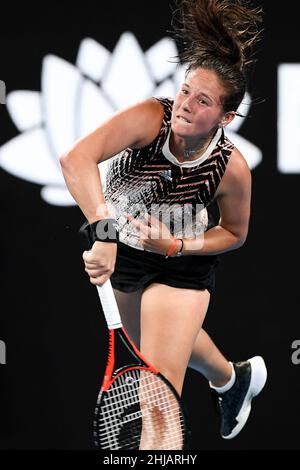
(197, 107)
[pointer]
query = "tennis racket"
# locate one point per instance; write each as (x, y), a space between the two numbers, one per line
(137, 408)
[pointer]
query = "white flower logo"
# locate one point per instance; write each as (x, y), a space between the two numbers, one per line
(75, 99)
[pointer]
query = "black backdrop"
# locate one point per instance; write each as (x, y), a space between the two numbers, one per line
(55, 337)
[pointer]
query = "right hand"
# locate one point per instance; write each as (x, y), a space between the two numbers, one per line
(100, 262)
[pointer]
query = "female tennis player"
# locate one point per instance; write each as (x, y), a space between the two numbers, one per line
(171, 160)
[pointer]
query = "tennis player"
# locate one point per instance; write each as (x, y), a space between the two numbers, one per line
(169, 160)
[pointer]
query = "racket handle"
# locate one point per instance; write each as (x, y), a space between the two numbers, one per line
(109, 305)
(106, 293)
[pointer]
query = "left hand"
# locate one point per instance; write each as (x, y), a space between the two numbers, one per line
(154, 235)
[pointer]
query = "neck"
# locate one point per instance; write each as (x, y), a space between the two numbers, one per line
(187, 151)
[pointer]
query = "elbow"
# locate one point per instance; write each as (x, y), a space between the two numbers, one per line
(237, 238)
(70, 167)
(70, 162)
(240, 240)
(65, 159)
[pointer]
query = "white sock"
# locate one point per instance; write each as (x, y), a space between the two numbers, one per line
(228, 385)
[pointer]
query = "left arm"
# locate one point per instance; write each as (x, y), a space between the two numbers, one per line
(234, 200)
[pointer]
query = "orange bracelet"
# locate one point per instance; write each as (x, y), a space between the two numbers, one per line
(172, 248)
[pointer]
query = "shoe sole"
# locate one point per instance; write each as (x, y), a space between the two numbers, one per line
(257, 383)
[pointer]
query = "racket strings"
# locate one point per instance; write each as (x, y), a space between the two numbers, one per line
(139, 411)
(111, 431)
(126, 393)
(169, 440)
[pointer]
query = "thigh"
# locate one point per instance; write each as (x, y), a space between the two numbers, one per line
(171, 319)
(130, 307)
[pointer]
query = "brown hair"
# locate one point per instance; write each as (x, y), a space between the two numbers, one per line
(216, 35)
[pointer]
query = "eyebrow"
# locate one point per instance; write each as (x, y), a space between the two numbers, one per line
(201, 93)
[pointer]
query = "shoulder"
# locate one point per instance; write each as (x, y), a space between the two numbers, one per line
(145, 117)
(237, 176)
(166, 103)
(151, 115)
(237, 164)
(150, 106)
(161, 107)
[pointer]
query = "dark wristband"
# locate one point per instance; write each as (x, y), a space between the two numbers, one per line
(104, 230)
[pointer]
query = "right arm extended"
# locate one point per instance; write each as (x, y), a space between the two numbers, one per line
(134, 127)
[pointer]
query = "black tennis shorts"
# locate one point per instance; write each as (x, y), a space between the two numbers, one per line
(136, 269)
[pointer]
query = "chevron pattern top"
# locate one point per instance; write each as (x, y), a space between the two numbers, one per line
(144, 180)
